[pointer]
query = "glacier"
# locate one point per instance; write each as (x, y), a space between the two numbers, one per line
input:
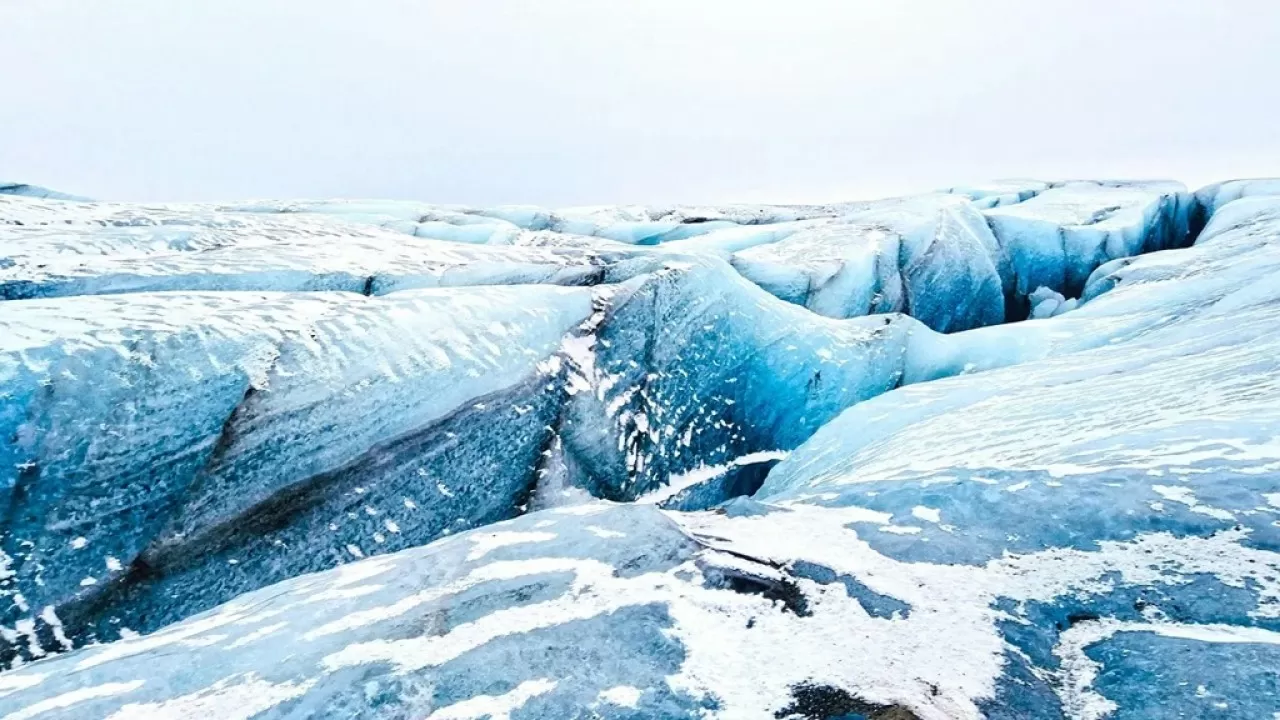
(36, 191)
(58, 249)
(934, 257)
(1007, 450)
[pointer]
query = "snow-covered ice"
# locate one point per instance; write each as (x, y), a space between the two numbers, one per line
(295, 499)
(53, 248)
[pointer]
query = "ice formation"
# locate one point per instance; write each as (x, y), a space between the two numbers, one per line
(35, 191)
(388, 459)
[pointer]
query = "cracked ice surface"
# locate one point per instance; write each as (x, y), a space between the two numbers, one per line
(933, 257)
(169, 451)
(1070, 516)
(1059, 237)
(51, 248)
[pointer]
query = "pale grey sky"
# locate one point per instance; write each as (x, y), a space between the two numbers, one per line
(564, 102)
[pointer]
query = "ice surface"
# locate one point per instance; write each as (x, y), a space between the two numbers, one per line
(411, 218)
(1059, 237)
(1073, 516)
(168, 451)
(54, 248)
(932, 257)
(25, 190)
(694, 365)
(1000, 192)
(1212, 197)
(1166, 428)
(628, 224)
(939, 259)
(165, 452)
(1046, 303)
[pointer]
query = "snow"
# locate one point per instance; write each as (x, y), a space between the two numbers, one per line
(683, 482)
(622, 695)
(495, 707)
(488, 542)
(927, 514)
(72, 698)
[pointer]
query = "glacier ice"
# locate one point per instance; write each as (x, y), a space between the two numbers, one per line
(35, 191)
(54, 248)
(1047, 303)
(952, 265)
(171, 451)
(234, 439)
(1059, 237)
(632, 225)
(693, 364)
(932, 257)
(1000, 192)
(1071, 516)
(1212, 197)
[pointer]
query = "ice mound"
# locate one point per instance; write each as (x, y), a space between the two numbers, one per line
(170, 451)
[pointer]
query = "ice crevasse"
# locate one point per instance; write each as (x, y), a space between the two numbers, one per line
(341, 465)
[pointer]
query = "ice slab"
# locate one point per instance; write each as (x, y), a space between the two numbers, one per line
(163, 452)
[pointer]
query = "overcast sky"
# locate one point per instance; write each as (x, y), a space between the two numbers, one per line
(608, 101)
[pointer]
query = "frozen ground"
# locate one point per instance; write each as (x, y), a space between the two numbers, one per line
(386, 459)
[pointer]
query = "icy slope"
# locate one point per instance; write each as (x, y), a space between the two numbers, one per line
(1088, 532)
(165, 452)
(1166, 433)
(1212, 197)
(1000, 192)
(215, 438)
